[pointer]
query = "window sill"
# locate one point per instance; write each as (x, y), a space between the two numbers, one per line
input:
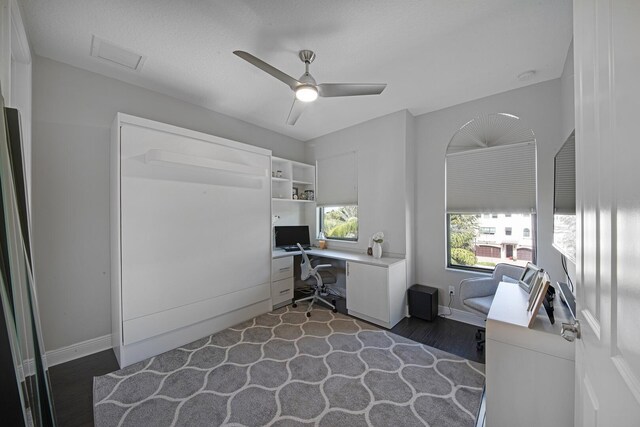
(338, 240)
(470, 271)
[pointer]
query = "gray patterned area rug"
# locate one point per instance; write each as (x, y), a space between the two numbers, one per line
(284, 369)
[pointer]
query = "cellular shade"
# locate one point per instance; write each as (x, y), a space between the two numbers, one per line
(337, 180)
(492, 180)
(564, 202)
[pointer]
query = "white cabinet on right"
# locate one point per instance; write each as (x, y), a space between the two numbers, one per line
(377, 293)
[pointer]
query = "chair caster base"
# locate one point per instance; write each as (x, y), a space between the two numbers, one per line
(308, 314)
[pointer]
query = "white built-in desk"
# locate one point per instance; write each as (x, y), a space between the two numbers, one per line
(530, 372)
(376, 288)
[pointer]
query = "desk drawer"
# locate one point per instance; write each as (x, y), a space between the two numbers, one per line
(282, 291)
(281, 268)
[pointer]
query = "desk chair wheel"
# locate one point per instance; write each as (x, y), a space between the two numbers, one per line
(294, 305)
(335, 310)
(308, 314)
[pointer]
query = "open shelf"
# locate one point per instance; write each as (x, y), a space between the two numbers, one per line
(295, 175)
(276, 199)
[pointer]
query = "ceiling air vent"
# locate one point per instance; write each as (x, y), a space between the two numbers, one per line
(107, 51)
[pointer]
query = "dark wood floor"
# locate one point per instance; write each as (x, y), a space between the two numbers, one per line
(72, 385)
(72, 382)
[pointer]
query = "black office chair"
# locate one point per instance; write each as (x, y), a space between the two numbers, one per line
(322, 278)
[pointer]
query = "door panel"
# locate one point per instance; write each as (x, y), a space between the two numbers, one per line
(608, 212)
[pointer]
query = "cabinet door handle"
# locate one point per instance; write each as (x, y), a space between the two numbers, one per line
(285, 291)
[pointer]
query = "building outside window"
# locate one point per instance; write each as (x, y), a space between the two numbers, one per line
(475, 243)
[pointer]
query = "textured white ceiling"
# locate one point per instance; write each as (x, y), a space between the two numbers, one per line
(432, 53)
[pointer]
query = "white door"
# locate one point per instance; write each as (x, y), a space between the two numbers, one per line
(607, 88)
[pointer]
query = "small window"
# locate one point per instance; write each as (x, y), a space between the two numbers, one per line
(507, 231)
(487, 230)
(338, 222)
(526, 233)
(494, 215)
(507, 215)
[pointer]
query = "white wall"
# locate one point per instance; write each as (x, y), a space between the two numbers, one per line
(539, 107)
(381, 152)
(566, 96)
(73, 111)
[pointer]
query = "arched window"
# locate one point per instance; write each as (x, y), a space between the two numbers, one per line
(490, 185)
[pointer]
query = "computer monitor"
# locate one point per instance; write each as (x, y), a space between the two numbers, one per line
(288, 236)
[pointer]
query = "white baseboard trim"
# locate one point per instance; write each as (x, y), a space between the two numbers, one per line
(78, 350)
(461, 316)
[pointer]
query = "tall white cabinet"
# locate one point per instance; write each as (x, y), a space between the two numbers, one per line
(191, 235)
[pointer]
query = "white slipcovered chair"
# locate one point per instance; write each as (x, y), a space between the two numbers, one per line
(477, 293)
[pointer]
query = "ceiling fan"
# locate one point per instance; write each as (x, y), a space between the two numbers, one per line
(306, 89)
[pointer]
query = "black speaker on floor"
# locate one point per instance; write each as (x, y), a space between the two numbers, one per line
(423, 302)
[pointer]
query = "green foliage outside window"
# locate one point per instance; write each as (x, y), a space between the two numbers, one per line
(462, 234)
(340, 222)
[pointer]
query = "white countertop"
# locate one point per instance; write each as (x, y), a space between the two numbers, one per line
(508, 321)
(341, 255)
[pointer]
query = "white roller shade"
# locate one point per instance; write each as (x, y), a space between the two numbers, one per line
(496, 179)
(337, 180)
(565, 179)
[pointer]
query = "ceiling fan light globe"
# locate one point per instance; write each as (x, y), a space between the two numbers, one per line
(306, 93)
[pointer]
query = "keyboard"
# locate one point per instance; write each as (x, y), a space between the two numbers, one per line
(295, 248)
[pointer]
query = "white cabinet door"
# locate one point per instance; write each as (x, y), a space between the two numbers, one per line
(190, 233)
(368, 290)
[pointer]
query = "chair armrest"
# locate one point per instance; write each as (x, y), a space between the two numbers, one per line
(477, 287)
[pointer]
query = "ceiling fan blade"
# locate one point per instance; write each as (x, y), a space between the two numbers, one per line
(296, 111)
(349, 89)
(283, 77)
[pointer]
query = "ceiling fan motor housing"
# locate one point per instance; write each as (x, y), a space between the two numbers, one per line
(307, 56)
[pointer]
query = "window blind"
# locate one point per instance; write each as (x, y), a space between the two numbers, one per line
(495, 179)
(565, 179)
(337, 180)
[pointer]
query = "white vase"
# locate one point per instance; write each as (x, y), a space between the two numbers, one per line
(377, 250)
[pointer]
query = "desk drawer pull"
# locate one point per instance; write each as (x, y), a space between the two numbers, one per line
(285, 268)
(285, 291)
